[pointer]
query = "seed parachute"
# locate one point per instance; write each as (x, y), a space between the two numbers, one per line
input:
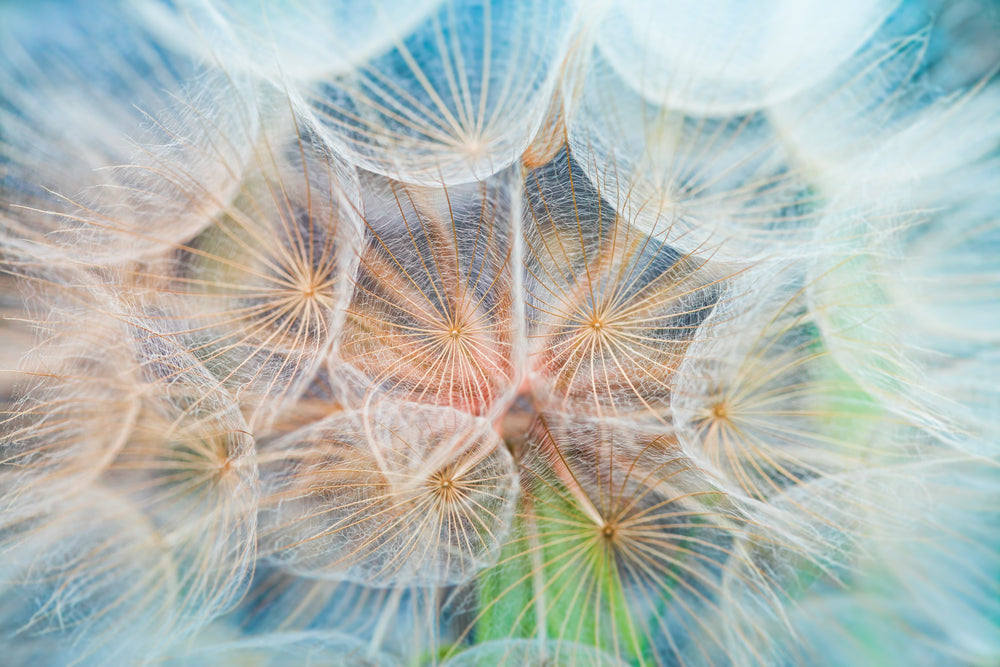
(478, 333)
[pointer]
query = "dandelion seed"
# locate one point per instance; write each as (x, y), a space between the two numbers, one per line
(456, 101)
(731, 58)
(398, 498)
(431, 317)
(764, 404)
(610, 308)
(258, 294)
(141, 529)
(303, 40)
(111, 143)
(461, 332)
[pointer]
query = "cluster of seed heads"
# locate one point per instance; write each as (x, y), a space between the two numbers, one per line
(462, 332)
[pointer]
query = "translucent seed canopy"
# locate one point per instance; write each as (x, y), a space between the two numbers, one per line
(110, 156)
(406, 494)
(761, 401)
(303, 41)
(610, 307)
(431, 315)
(732, 56)
(541, 333)
(460, 98)
(258, 295)
(613, 521)
(714, 184)
(56, 436)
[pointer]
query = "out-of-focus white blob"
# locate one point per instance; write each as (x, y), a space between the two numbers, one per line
(940, 565)
(905, 295)
(300, 40)
(459, 99)
(533, 653)
(74, 399)
(406, 495)
(284, 649)
(914, 581)
(723, 185)
(406, 621)
(111, 145)
(876, 127)
(88, 582)
(906, 286)
(732, 56)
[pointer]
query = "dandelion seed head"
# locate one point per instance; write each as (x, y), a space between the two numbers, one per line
(467, 332)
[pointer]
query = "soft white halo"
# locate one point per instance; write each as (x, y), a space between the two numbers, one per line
(729, 56)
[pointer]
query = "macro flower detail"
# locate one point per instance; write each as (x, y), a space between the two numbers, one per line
(431, 315)
(406, 496)
(470, 333)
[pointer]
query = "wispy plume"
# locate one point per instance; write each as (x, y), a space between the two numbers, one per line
(468, 332)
